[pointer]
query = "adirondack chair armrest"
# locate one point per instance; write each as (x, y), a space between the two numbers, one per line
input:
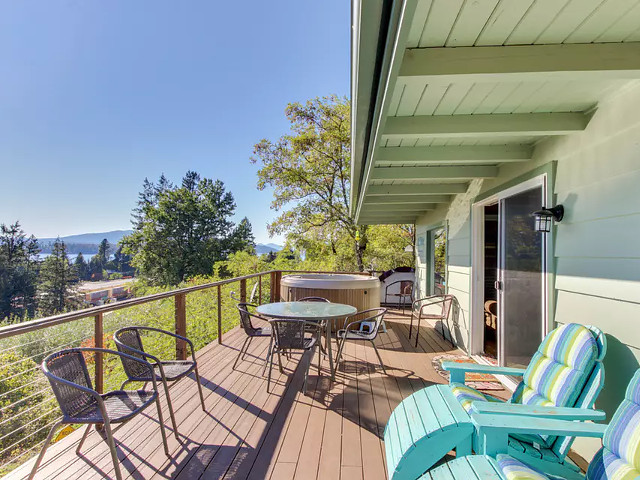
(558, 413)
(493, 430)
(457, 370)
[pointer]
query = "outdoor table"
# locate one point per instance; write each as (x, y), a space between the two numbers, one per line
(311, 312)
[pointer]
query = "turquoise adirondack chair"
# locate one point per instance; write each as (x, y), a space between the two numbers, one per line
(618, 459)
(566, 371)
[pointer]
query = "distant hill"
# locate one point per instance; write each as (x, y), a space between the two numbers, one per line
(112, 237)
(87, 243)
(267, 247)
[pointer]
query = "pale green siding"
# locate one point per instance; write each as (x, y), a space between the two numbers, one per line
(597, 245)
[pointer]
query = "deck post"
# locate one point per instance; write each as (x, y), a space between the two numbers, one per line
(243, 290)
(98, 336)
(181, 325)
(219, 314)
(277, 287)
(260, 290)
(272, 288)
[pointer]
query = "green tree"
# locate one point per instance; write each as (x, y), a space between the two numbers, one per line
(18, 272)
(57, 279)
(242, 238)
(121, 261)
(181, 231)
(81, 267)
(309, 170)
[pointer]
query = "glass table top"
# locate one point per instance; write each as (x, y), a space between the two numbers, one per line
(305, 310)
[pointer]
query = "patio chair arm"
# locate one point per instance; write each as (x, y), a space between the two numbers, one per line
(494, 430)
(124, 355)
(457, 370)
(171, 334)
(558, 413)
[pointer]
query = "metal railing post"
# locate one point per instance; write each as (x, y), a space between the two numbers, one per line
(181, 325)
(219, 314)
(98, 337)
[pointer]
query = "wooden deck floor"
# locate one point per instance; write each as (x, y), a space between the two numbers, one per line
(333, 432)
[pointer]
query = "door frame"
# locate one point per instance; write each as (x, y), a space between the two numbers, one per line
(476, 343)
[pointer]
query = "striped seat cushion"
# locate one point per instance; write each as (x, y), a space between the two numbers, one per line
(558, 370)
(513, 469)
(619, 458)
(467, 395)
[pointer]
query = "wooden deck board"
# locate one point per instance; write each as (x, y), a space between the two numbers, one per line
(333, 432)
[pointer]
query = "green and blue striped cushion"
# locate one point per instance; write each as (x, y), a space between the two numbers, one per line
(619, 459)
(559, 368)
(513, 469)
(467, 395)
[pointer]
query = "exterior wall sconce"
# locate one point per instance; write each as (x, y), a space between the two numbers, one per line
(545, 217)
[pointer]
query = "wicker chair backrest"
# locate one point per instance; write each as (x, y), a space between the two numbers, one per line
(69, 365)
(289, 333)
(314, 299)
(245, 317)
(130, 337)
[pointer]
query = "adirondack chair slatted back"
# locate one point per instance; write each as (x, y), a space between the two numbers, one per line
(590, 392)
(559, 371)
(620, 455)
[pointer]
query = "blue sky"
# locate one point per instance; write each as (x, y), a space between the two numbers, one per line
(97, 95)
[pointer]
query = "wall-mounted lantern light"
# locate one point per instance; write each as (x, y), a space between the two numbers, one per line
(545, 217)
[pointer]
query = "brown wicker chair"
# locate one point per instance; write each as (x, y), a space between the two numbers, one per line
(128, 340)
(251, 330)
(69, 378)
(288, 336)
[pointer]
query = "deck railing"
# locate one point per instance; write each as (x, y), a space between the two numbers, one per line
(27, 405)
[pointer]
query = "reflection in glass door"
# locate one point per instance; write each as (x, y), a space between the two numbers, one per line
(520, 278)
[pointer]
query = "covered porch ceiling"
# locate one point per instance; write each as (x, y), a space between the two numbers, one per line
(447, 91)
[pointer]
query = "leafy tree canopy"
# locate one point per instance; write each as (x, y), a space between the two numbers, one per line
(181, 231)
(309, 170)
(18, 272)
(57, 279)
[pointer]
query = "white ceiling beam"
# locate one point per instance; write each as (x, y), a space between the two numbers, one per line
(435, 189)
(390, 220)
(455, 154)
(444, 126)
(400, 207)
(584, 62)
(387, 199)
(428, 173)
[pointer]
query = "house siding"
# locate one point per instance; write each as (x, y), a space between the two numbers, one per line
(596, 250)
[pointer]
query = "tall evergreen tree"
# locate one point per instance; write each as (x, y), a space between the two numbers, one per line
(57, 278)
(81, 267)
(18, 272)
(181, 231)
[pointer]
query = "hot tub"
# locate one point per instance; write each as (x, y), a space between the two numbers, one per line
(360, 291)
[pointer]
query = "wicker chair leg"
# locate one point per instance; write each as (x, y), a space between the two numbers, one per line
(306, 371)
(379, 357)
(44, 449)
(162, 427)
(84, 437)
(340, 347)
(171, 414)
(247, 348)
(270, 368)
(411, 323)
(240, 353)
(204, 409)
(112, 449)
(266, 360)
(280, 362)
(319, 360)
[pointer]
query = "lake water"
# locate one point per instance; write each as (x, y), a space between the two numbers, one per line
(70, 256)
